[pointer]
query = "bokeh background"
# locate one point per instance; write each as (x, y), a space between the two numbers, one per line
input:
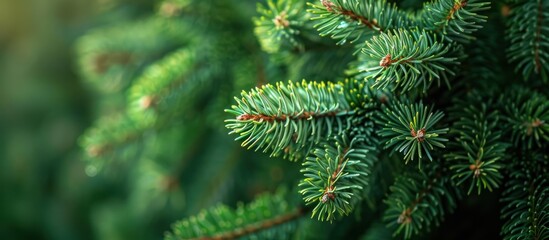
(56, 185)
(45, 106)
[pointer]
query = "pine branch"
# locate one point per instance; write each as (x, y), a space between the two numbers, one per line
(167, 88)
(526, 212)
(478, 149)
(280, 25)
(335, 175)
(355, 21)
(409, 59)
(290, 118)
(526, 113)
(528, 28)
(419, 200)
(455, 19)
(410, 129)
(267, 217)
(110, 135)
(111, 58)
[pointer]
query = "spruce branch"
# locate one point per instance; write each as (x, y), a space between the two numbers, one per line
(335, 175)
(159, 93)
(528, 28)
(455, 19)
(526, 198)
(409, 59)
(111, 58)
(526, 113)
(110, 135)
(290, 117)
(280, 25)
(410, 129)
(419, 200)
(352, 21)
(269, 216)
(478, 149)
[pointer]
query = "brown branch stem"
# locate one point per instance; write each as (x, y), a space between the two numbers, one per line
(331, 7)
(406, 215)
(284, 117)
(538, 37)
(256, 227)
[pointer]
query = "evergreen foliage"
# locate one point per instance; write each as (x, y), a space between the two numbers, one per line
(409, 59)
(388, 82)
(355, 21)
(456, 20)
(419, 200)
(526, 199)
(336, 176)
(291, 117)
(527, 31)
(267, 217)
(479, 148)
(409, 129)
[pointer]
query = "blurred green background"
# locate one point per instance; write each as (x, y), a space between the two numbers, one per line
(44, 108)
(49, 185)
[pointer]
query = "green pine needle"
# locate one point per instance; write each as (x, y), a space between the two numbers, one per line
(335, 175)
(526, 113)
(289, 118)
(455, 19)
(409, 59)
(355, 21)
(526, 198)
(410, 129)
(269, 216)
(419, 200)
(478, 149)
(528, 33)
(280, 24)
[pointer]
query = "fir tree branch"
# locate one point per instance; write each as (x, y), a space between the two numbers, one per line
(526, 212)
(455, 19)
(166, 89)
(478, 150)
(267, 217)
(409, 59)
(335, 176)
(290, 118)
(410, 128)
(529, 49)
(281, 25)
(257, 227)
(419, 200)
(111, 134)
(526, 113)
(111, 58)
(356, 21)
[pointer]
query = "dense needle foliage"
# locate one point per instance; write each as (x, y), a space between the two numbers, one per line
(393, 114)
